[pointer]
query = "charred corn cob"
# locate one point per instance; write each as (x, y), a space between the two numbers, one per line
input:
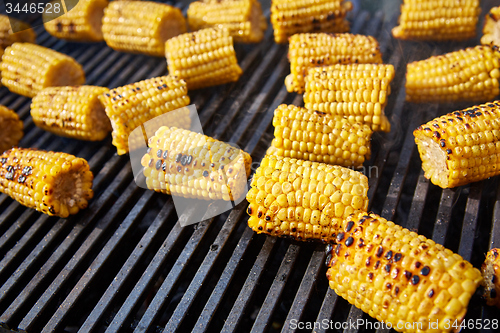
(193, 165)
(302, 199)
(81, 24)
(74, 112)
(11, 128)
(28, 68)
(491, 277)
(398, 276)
(466, 75)
(203, 58)
(357, 91)
(319, 137)
(52, 183)
(8, 36)
(321, 49)
(243, 18)
(141, 26)
(132, 105)
(491, 28)
(291, 17)
(437, 20)
(461, 147)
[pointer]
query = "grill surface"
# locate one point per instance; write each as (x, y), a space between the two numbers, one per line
(125, 264)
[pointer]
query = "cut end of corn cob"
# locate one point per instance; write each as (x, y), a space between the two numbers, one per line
(303, 200)
(398, 276)
(74, 112)
(319, 137)
(203, 58)
(132, 105)
(461, 147)
(193, 165)
(11, 128)
(491, 28)
(53, 183)
(491, 277)
(24, 33)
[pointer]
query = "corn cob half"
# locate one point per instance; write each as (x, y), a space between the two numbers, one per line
(461, 147)
(52, 183)
(319, 137)
(491, 28)
(28, 68)
(82, 23)
(8, 36)
(141, 26)
(243, 18)
(292, 17)
(74, 112)
(357, 91)
(437, 20)
(322, 49)
(11, 128)
(302, 199)
(398, 276)
(490, 270)
(203, 58)
(132, 105)
(465, 75)
(193, 165)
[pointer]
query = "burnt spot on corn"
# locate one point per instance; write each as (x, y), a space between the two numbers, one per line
(9, 175)
(396, 290)
(340, 236)
(397, 257)
(377, 264)
(407, 275)
(205, 173)
(418, 264)
(21, 179)
(442, 143)
(370, 276)
(179, 168)
(158, 164)
(349, 241)
(52, 210)
(178, 158)
(337, 249)
(164, 166)
(183, 160)
(27, 170)
(165, 154)
(388, 255)
(59, 26)
(449, 151)
(159, 153)
(387, 268)
(425, 271)
(361, 243)
(436, 135)
(415, 279)
(148, 150)
(328, 259)
(368, 261)
(431, 293)
(388, 286)
(189, 159)
(349, 226)
(380, 251)
(260, 228)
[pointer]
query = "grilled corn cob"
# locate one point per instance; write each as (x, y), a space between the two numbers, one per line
(357, 91)
(461, 147)
(398, 276)
(321, 49)
(141, 26)
(8, 36)
(11, 127)
(437, 20)
(81, 24)
(243, 18)
(203, 58)
(302, 199)
(465, 75)
(132, 105)
(28, 68)
(193, 165)
(74, 112)
(319, 137)
(491, 277)
(292, 17)
(53, 183)
(491, 28)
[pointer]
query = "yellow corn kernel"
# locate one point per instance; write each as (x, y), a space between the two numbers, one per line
(491, 28)
(25, 33)
(11, 128)
(490, 270)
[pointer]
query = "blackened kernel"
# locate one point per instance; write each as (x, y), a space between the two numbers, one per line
(370, 276)
(189, 159)
(260, 228)
(388, 286)
(397, 257)
(165, 154)
(337, 249)
(425, 271)
(396, 290)
(205, 173)
(230, 170)
(407, 275)
(349, 241)
(249, 210)
(159, 152)
(293, 229)
(377, 264)
(361, 243)
(387, 268)
(21, 179)
(449, 151)
(184, 160)
(415, 279)
(349, 226)
(222, 167)
(418, 264)
(388, 255)
(379, 252)
(10, 168)
(340, 236)
(212, 165)
(435, 125)
(202, 164)
(268, 218)
(362, 220)
(179, 168)
(178, 158)
(437, 135)
(368, 261)
(442, 143)
(431, 293)
(52, 210)
(467, 126)
(328, 248)
(328, 259)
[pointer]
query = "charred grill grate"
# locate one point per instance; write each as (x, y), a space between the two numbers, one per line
(124, 264)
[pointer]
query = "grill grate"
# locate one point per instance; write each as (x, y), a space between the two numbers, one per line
(125, 264)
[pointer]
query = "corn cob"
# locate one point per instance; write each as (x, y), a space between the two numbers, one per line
(81, 24)
(11, 128)
(319, 137)
(28, 68)
(203, 58)
(490, 270)
(243, 18)
(74, 112)
(321, 49)
(466, 75)
(52, 183)
(437, 20)
(461, 147)
(8, 36)
(491, 28)
(141, 26)
(398, 276)
(132, 105)
(193, 165)
(292, 17)
(302, 199)
(357, 91)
